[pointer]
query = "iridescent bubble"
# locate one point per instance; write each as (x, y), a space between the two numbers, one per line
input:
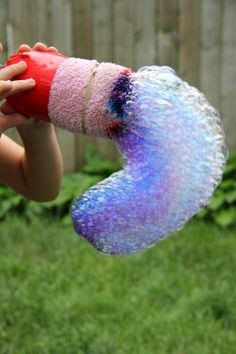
(174, 155)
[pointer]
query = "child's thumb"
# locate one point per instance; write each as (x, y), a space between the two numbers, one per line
(6, 108)
(8, 121)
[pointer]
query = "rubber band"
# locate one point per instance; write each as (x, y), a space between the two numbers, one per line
(88, 96)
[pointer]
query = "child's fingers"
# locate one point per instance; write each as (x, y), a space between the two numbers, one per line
(11, 120)
(52, 50)
(6, 108)
(8, 72)
(18, 86)
(1, 47)
(40, 47)
(4, 87)
(23, 48)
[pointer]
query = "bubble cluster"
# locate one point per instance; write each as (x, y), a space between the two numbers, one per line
(174, 155)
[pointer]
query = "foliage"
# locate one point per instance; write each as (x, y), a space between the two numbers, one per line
(96, 168)
(96, 164)
(222, 207)
(9, 201)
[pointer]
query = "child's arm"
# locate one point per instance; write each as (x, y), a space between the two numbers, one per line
(34, 171)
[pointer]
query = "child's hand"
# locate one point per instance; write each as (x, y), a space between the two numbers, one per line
(11, 118)
(8, 87)
(35, 170)
(41, 47)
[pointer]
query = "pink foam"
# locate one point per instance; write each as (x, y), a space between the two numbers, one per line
(97, 120)
(79, 94)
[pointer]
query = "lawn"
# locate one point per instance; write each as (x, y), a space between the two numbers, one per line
(60, 296)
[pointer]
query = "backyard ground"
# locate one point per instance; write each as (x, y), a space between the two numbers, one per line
(60, 296)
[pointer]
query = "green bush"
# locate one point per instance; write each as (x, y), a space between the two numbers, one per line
(96, 168)
(222, 207)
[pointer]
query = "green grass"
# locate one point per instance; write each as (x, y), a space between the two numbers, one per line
(60, 296)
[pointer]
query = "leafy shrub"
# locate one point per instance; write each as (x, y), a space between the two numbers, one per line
(96, 168)
(222, 207)
(9, 201)
(95, 164)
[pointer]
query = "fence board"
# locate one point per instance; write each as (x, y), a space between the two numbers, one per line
(228, 74)
(166, 36)
(3, 29)
(101, 30)
(82, 33)
(39, 21)
(20, 29)
(61, 18)
(144, 44)
(188, 29)
(209, 51)
(123, 32)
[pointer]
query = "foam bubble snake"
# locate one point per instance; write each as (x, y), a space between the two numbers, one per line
(169, 135)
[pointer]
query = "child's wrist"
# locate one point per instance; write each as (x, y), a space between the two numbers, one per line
(35, 127)
(33, 131)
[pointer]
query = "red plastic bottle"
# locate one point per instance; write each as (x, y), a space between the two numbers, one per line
(42, 67)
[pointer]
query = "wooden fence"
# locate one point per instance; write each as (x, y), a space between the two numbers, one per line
(196, 37)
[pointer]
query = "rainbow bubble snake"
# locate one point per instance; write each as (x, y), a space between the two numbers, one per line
(172, 144)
